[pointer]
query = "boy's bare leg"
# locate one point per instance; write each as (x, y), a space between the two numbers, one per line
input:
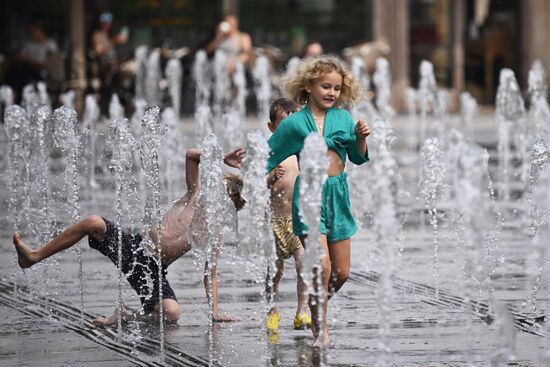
(272, 290)
(93, 226)
(301, 287)
(211, 277)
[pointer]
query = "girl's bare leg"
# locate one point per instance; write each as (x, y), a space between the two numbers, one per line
(314, 299)
(340, 265)
(211, 277)
(93, 226)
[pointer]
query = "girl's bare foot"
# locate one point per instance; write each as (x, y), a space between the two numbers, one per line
(326, 341)
(25, 255)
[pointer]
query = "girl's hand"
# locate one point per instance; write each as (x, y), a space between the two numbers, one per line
(234, 158)
(362, 130)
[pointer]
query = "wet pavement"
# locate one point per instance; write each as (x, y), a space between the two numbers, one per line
(41, 322)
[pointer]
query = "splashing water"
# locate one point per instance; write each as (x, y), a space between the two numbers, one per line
(89, 125)
(410, 98)
(66, 137)
(67, 99)
(30, 100)
(43, 95)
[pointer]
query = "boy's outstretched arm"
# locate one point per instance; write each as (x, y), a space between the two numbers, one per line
(193, 159)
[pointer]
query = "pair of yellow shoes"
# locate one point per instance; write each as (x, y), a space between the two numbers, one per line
(301, 321)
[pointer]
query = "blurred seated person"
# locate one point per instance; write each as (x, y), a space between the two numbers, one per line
(228, 38)
(312, 49)
(31, 63)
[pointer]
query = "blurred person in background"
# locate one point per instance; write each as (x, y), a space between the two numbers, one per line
(31, 63)
(312, 49)
(228, 38)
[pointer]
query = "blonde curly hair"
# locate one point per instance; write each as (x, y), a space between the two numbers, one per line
(312, 69)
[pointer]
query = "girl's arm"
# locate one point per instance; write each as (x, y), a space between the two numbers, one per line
(358, 152)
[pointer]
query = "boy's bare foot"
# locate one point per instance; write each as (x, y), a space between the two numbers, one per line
(25, 254)
(225, 318)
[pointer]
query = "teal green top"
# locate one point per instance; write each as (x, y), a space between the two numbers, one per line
(339, 134)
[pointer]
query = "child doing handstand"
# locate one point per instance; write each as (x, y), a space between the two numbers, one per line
(103, 236)
(281, 182)
(323, 84)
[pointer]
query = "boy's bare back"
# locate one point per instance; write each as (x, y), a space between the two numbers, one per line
(281, 189)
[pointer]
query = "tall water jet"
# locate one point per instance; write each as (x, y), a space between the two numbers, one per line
(539, 110)
(67, 98)
(89, 125)
(468, 109)
(42, 129)
(18, 130)
(150, 148)
(140, 54)
(441, 112)
(510, 111)
(470, 205)
(116, 110)
(67, 138)
(382, 81)
(43, 95)
(313, 173)
(6, 95)
(255, 231)
(120, 142)
(539, 161)
(30, 99)
(387, 228)
(427, 89)
(171, 153)
(202, 77)
(410, 99)
(222, 85)
(433, 176)
(152, 78)
(239, 101)
(211, 220)
(262, 86)
(174, 75)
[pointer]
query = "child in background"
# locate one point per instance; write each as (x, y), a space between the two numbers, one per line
(281, 181)
(103, 236)
(324, 84)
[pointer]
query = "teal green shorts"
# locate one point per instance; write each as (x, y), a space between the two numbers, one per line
(337, 222)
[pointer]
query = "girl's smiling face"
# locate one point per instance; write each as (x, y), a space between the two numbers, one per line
(325, 90)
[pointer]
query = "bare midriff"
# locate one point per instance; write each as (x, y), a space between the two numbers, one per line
(336, 166)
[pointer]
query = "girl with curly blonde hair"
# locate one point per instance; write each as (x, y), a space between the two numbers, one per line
(324, 84)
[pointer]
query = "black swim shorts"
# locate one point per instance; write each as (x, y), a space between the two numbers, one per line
(139, 266)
